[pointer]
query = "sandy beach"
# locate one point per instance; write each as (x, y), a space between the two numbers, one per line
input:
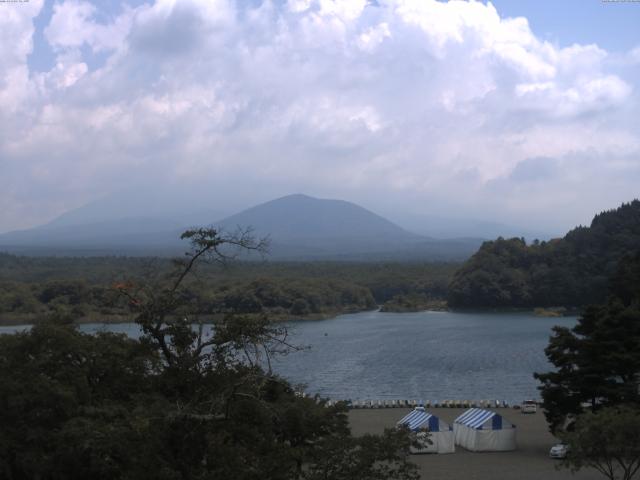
(529, 462)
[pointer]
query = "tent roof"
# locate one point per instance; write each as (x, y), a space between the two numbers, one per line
(419, 418)
(475, 417)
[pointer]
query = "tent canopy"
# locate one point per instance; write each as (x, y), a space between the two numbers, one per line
(420, 419)
(480, 419)
(481, 430)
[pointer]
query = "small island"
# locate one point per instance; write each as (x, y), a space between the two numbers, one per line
(413, 302)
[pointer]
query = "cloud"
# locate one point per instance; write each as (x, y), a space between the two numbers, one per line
(74, 24)
(16, 32)
(534, 169)
(412, 102)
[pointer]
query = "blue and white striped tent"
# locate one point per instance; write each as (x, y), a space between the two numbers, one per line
(440, 433)
(481, 430)
(420, 419)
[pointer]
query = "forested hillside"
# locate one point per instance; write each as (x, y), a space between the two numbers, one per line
(571, 271)
(32, 288)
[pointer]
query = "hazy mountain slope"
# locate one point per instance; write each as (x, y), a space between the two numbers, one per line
(300, 228)
(449, 227)
(109, 226)
(303, 217)
(105, 232)
(164, 203)
(127, 236)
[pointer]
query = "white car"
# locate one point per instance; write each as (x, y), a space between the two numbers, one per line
(528, 406)
(559, 451)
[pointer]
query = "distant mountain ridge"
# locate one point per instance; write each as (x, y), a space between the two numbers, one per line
(300, 228)
(320, 227)
(301, 216)
(166, 203)
(436, 226)
(571, 271)
(306, 228)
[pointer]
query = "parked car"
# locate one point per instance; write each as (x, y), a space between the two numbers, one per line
(559, 451)
(528, 406)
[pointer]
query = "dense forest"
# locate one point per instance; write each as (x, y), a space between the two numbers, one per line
(572, 271)
(597, 361)
(176, 403)
(83, 288)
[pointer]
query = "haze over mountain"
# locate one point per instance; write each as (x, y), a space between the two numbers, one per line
(166, 204)
(299, 227)
(513, 112)
(439, 226)
(306, 219)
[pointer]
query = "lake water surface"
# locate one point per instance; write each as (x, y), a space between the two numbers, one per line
(427, 355)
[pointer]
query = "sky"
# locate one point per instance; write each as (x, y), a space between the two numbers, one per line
(522, 112)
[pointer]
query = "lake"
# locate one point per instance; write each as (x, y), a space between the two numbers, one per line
(428, 355)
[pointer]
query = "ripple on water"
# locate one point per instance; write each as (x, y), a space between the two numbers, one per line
(427, 355)
(437, 355)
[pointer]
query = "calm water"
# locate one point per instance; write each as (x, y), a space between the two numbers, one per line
(428, 355)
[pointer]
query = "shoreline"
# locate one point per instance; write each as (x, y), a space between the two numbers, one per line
(31, 319)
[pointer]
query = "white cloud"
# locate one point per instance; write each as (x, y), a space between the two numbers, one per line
(16, 38)
(373, 36)
(298, 6)
(582, 95)
(348, 11)
(73, 24)
(415, 99)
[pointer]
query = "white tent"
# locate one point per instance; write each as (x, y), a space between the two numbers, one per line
(481, 430)
(440, 434)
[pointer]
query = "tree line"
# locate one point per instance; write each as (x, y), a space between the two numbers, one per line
(572, 271)
(592, 397)
(83, 288)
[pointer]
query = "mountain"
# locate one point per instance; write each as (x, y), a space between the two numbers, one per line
(303, 227)
(99, 228)
(299, 227)
(165, 203)
(130, 236)
(303, 220)
(571, 271)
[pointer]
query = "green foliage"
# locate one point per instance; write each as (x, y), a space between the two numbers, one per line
(608, 441)
(597, 361)
(64, 398)
(370, 457)
(83, 288)
(571, 271)
(413, 302)
(293, 297)
(177, 403)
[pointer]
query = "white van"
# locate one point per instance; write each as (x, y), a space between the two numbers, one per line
(559, 451)
(529, 406)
